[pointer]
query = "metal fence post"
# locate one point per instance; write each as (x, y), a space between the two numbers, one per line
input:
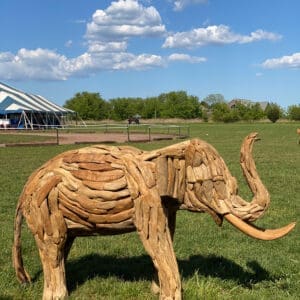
(128, 135)
(149, 133)
(57, 136)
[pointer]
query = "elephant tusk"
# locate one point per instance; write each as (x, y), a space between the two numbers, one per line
(261, 234)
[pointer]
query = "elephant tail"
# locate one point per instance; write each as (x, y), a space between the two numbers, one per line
(21, 273)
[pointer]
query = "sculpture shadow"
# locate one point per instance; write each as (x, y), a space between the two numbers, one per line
(141, 268)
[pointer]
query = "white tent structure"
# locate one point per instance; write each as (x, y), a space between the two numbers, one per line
(23, 110)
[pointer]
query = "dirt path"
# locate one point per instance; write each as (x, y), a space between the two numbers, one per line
(76, 138)
(85, 138)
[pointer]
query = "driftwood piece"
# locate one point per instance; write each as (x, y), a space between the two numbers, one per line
(162, 173)
(112, 190)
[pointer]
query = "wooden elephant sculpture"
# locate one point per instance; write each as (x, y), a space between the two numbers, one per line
(113, 190)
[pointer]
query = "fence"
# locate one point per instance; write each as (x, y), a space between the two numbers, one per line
(130, 132)
(100, 133)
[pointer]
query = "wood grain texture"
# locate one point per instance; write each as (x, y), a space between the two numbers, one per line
(109, 189)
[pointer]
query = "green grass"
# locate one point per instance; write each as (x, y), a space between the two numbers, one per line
(21, 138)
(215, 263)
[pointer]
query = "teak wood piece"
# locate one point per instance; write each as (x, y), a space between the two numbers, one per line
(112, 190)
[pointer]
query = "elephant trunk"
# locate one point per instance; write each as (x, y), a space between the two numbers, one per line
(261, 198)
(244, 211)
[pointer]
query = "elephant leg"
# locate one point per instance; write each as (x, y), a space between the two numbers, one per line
(52, 259)
(152, 226)
(172, 226)
(53, 262)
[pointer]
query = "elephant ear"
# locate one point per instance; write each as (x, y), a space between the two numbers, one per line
(193, 159)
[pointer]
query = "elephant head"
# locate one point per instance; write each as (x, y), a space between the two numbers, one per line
(210, 187)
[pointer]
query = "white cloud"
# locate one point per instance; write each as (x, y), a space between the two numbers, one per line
(78, 66)
(107, 39)
(181, 4)
(43, 64)
(33, 64)
(186, 58)
(124, 19)
(259, 35)
(139, 62)
(107, 47)
(109, 32)
(216, 34)
(6, 57)
(288, 61)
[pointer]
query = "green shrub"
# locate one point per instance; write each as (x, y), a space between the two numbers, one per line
(294, 112)
(273, 112)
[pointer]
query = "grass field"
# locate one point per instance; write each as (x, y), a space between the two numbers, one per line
(215, 263)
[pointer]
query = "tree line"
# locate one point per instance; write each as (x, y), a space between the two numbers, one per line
(176, 104)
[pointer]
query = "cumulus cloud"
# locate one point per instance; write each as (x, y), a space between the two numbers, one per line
(110, 30)
(32, 64)
(288, 61)
(6, 57)
(43, 64)
(107, 47)
(216, 34)
(107, 38)
(186, 58)
(181, 4)
(259, 35)
(139, 62)
(124, 19)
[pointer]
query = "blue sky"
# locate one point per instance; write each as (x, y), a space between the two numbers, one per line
(126, 48)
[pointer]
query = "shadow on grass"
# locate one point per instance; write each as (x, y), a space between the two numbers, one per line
(141, 268)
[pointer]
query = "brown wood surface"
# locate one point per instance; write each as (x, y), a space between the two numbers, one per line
(108, 189)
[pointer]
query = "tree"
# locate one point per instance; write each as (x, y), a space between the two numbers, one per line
(179, 105)
(221, 112)
(294, 112)
(213, 99)
(123, 108)
(273, 112)
(249, 111)
(256, 112)
(89, 106)
(152, 108)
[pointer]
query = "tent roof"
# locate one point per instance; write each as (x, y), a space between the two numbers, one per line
(15, 101)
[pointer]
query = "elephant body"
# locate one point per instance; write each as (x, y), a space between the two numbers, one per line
(113, 190)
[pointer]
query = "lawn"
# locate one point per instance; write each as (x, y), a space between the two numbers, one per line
(11, 138)
(215, 263)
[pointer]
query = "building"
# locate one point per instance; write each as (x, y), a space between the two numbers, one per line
(23, 110)
(263, 105)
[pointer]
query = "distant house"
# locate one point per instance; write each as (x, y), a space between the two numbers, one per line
(23, 110)
(246, 102)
